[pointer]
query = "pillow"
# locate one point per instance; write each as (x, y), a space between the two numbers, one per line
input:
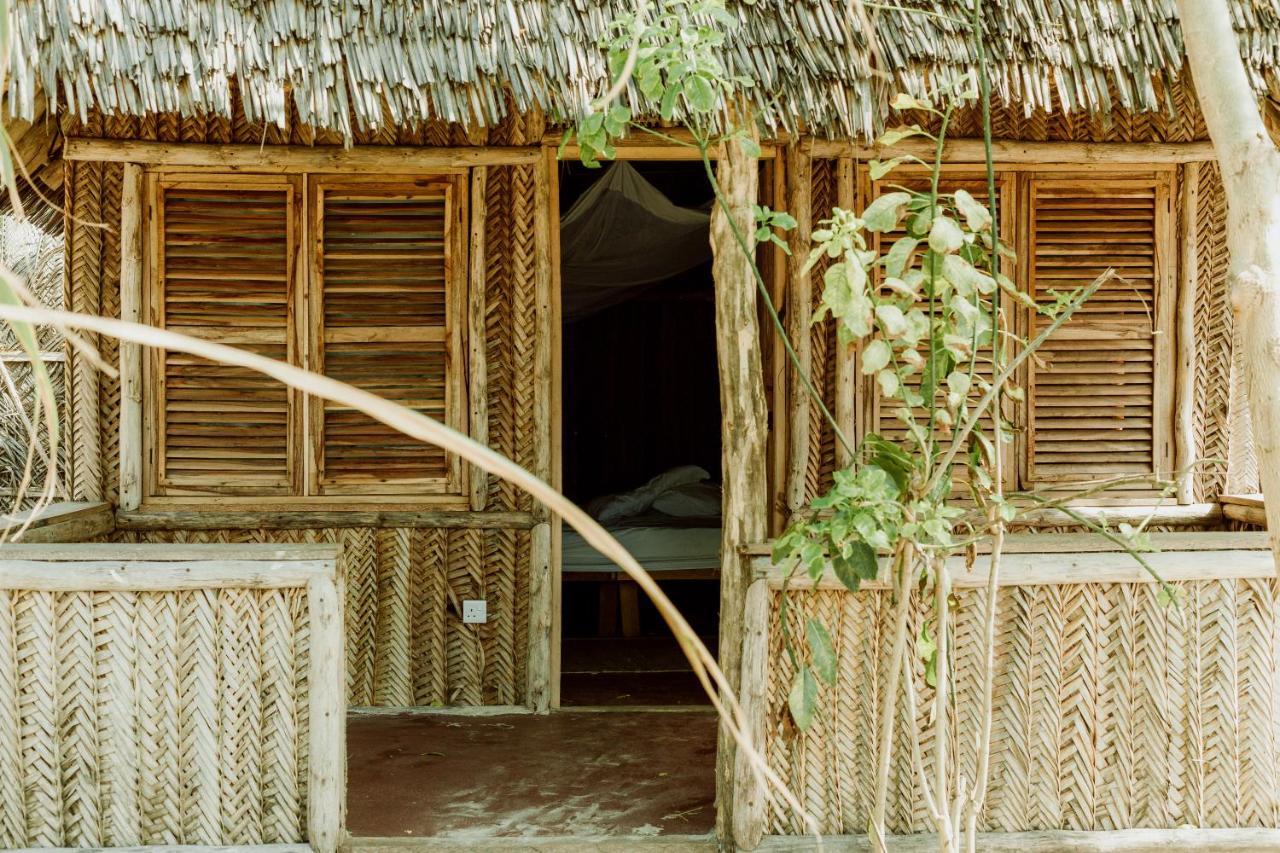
(637, 501)
(692, 500)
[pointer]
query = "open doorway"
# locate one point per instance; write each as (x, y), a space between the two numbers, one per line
(641, 426)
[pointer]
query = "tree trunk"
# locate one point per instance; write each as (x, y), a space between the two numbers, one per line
(742, 430)
(1250, 176)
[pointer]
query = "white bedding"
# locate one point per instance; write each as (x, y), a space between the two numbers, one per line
(658, 549)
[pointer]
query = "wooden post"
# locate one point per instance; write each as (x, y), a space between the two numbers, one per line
(1185, 365)
(541, 600)
(557, 415)
(477, 366)
(749, 795)
(799, 316)
(743, 425)
(328, 707)
(846, 367)
(131, 353)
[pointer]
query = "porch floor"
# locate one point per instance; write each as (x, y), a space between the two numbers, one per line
(620, 773)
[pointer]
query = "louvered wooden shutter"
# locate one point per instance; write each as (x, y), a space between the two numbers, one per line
(388, 260)
(886, 423)
(1098, 406)
(224, 269)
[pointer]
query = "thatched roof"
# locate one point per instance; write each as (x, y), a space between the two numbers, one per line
(365, 63)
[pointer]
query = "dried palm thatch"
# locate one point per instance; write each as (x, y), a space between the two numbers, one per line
(349, 65)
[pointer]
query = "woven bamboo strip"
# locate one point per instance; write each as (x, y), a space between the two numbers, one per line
(1153, 714)
(239, 715)
(158, 744)
(500, 636)
(1011, 749)
(465, 653)
(1256, 672)
(429, 614)
(13, 829)
(300, 614)
(1220, 699)
(1114, 748)
(84, 252)
(359, 548)
(198, 718)
(280, 812)
(393, 680)
(115, 647)
(34, 628)
(499, 260)
(1213, 319)
(77, 742)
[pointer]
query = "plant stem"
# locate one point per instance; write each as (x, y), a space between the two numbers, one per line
(888, 701)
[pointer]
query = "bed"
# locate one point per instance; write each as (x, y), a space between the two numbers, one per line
(671, 547)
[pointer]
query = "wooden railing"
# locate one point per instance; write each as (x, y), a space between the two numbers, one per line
(1113, 710)
(161, 695)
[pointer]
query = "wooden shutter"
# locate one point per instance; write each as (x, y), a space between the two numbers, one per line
(1098, 403)
(886, 423)
(224, 254)
(390, 283)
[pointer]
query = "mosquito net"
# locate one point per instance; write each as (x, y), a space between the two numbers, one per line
(622, 235)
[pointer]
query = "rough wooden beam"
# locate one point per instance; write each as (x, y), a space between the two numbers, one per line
(1013, 152)
(71, 521)
(750, 800)
(477, 344)
(327, 707)
(1054, 841)
(1185, 342)
(846, 366)
(199, 519)
(743, 428)
(799, 324)
(131, 444)
(293, 158)
(541, 602)
(1072, 568)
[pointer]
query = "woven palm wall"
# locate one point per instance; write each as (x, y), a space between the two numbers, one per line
(158, 718)
(1112, 710)
(1213, 325)
(406, 641)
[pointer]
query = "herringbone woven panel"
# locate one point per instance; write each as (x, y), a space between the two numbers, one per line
(1111, 710)
(1213, 330)
(151, 718)
(406, 644)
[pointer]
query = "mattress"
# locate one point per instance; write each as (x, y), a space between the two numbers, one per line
(656, 548)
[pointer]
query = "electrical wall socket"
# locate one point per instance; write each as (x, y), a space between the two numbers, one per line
(475, 611)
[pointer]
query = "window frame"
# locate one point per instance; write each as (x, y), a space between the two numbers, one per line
(1014, 180)
(303, 336)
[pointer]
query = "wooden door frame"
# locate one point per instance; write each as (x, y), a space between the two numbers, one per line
(635, 149)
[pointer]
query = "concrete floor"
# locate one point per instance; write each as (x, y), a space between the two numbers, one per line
(636, 774)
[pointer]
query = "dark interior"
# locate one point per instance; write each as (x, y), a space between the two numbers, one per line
(640, 396)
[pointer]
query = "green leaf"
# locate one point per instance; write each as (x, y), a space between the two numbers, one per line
(896, 135)
(860, 564)
(903, 101)
(884, 213)
(875, 356)
(700, 94)
(803, 698)
(891, 319)
(899, 255)
(889, 383)
(750, 147)
(821, 651)
(976, 216)
(928, 651)
(945, 235)
(966, 277)
(879, 168)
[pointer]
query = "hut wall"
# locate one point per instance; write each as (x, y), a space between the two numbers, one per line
(407, 644)
(813, 458)
(1112, 710)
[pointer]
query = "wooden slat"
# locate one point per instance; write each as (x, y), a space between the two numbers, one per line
(386, 265)
(1093, 392)
(293, 158)
(224, 270)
